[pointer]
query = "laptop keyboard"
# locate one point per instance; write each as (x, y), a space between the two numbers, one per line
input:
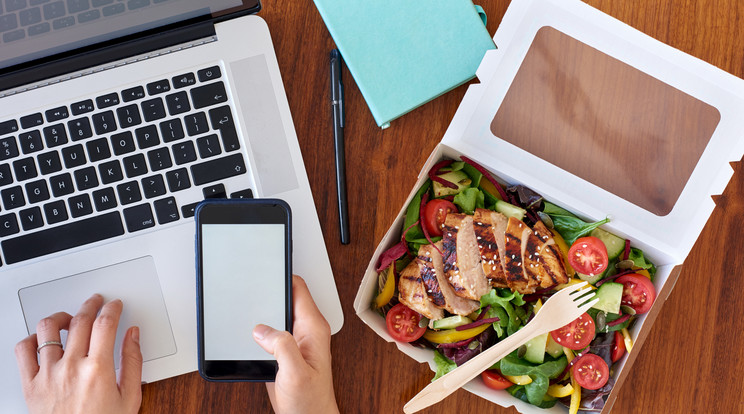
(114, 164)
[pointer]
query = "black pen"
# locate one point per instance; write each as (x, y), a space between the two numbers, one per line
(337, 106)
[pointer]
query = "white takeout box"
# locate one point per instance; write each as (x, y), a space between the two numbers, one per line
(568, 89)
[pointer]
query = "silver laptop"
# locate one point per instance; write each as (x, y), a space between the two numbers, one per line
(116, 118)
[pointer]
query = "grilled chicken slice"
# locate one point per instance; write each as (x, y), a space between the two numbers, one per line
(513, 264)
(550, 256)
(412, 293)
(462, 264)
(532, 262)
(440, 292)
(489, 230)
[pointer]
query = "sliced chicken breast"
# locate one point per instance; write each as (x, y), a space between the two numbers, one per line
(512, 258)
(462, 264)
(412, 293)
(439, 290)
(550, 256)
(490, 226)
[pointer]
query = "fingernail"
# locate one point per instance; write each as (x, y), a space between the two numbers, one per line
(135, 334)
(260, 331)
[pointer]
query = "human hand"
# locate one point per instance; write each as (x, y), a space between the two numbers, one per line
(81, 378)
(304, 382)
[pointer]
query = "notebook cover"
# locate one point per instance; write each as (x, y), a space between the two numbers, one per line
(402, 54)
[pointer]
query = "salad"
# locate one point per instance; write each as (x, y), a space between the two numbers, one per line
(476, 261)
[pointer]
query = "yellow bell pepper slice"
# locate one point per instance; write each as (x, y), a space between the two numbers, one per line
(519, 379)
(488, 186)
(563, 247)
(643, 272)
(627, 339)
(560, 391)
(388, 290)
(452, 335)
(571, 282)
(575, 397)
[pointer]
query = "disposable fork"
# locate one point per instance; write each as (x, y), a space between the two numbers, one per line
(560, 309)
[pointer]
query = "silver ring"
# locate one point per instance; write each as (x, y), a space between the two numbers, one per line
(58, 343)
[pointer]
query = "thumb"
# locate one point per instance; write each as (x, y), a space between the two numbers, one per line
(281, 344)
(130, 381)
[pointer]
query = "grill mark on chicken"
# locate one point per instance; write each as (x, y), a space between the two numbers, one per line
(429, 277)
(513, 257)
(488, 247)
(412, 293)
(453, 303)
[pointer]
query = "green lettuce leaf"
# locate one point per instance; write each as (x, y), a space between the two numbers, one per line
(443, 364)
(469, 199)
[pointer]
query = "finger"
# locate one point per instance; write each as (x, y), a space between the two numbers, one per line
(25, 352)
(281, 344)
(78, 340)
(130, 376)
(47, 330)
(309, 323)
(103, 333)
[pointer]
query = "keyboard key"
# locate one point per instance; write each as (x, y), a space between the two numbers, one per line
(6, 177)
(147, 136)
(80, 129)
(54, 10)
(37, 191)
(208, 146)
(8, 148)
(110, 172)
(210, 94)
(13, 5)
(14, 35)
(31, 218)
(66, 236)
(114, 9)
(30, 16)
(12, 197)
(73, 156)
(98, 149)
(129, 192)
(135, 165)
(86, 178)
(55, 212)
(76, 6)
(31, 121)
(136, 4)
(56, 114)
(104, 122)
(177, 103)
(82, 107)
(214, 191)
(8, 22)
(24, 169)
(61, 185)
(221, 117)
(99, 3)
(182, 81)
(8, 127)
(30, 141)
(208, 74)
(160, 86)
(38, 29)
(49, 162)
(218, 169)
(63, 22)
(8, 225)
(159, 159)
(166, 210)
(153, 186)
(171, 130)
(189, 209)
(132, 94)
(89, 16)
(80, 205)
(104, 199)
(184, 152)
(247, 193)
(128, 116)
(108, 100)
(55, 135)
(138, 217)
(153, 109)
(178, 180)
(122, 143)
(196, 124)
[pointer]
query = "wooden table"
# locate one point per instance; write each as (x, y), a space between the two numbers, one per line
(693, 359)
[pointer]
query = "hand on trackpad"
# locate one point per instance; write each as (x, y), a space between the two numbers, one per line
(135, 282)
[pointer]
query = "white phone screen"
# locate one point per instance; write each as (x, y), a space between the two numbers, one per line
(243, 267)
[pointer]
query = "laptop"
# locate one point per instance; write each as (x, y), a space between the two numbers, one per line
(116, 118)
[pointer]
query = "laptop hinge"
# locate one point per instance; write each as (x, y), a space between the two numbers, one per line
(106, 57)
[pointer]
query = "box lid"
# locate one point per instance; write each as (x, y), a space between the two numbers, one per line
(585, 109)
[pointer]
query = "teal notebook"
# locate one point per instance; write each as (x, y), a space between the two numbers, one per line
(404, 53)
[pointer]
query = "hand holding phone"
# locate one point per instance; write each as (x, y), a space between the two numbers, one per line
(243, 279)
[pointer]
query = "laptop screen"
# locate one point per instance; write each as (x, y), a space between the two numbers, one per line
(36, 30)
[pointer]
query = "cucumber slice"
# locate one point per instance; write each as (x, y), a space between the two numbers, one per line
(610, 295)
(553, 348)
(535, 349)
(592, 279)
(615, 245)
(450, 322)
(510, 210)
(458, 178)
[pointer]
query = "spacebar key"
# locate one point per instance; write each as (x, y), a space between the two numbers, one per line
(56, 239)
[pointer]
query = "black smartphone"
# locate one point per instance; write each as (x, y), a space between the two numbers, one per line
(244, 277)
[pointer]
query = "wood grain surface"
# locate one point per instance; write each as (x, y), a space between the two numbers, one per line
(693, 358)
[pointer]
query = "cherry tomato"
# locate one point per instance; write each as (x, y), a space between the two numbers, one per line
(494, 380)
(577, 334)
(638, 292)
(403, 323)
(618, 347)
(588, 255)
(434, 214)
(590, 371)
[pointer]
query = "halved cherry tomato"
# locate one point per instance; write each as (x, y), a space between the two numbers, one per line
(576, 335)
(618, 347)
(590, 371)
(588, 255)
(434, 214)
(403, 323)
(494, 380)
(638, 292)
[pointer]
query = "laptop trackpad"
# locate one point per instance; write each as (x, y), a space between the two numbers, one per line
(135, 282)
